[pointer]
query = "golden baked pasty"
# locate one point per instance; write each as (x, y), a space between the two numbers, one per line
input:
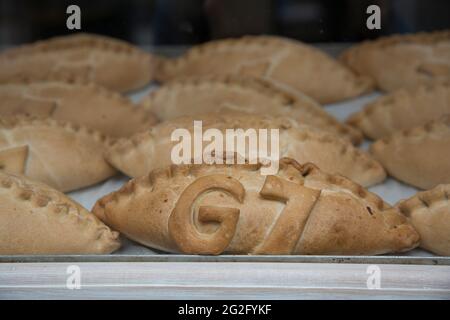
(36, 219)
(81, 57)
(88, 105)
(59, 154)
(403, 109)
(215, 209)
(194, 96)
(277, 59)
(420, 156)
(429, 213)
(402, 61)
(152, 149)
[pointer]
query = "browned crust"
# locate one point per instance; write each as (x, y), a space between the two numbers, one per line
(416, 132)
(126, 145)
(302, 191)
(263, 87)
(417, 156)
(424, 199)
(79, 41)
(429, 212)
(66, 174)
(405, 68)
(388, 102)
(211, 46)
(146, 117)
(308, 171)
(386, 41)
(123, 153)
(167, 69)
(40, 198)
(12, 122)
(40, 195)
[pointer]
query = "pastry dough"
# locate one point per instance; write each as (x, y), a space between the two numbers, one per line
(86, 105)
(64, 156)
(403, 109)
(152, 149)
(193, 96)
(83, 58)
(403, 61)
(281, 60)
(36, 219)
(419, 156)
(429, 212)
(214, 209)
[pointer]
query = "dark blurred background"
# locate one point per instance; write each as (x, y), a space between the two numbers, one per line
(184, 22)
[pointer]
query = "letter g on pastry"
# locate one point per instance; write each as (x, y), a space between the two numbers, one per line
(181, 223)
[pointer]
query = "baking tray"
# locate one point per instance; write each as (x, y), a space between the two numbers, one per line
(416, 260)
(390, 190)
